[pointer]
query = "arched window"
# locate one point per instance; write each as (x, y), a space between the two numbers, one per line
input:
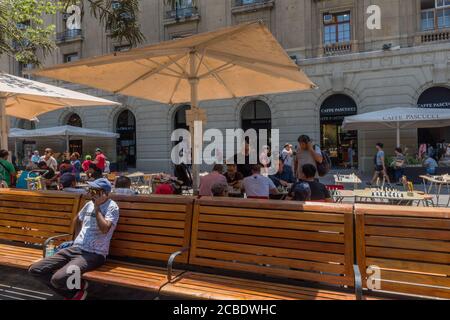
(74, 120)
(435, 97)
(256, 115)
(341, 145)
(126, 143)
(180, 121)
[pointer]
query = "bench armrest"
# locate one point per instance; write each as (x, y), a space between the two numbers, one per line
(44, 247)
(358, 282)
(171, 260)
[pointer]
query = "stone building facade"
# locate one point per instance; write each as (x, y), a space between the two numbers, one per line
(357, 69)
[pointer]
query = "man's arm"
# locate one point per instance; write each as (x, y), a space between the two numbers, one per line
(103, 224)
(317, 156)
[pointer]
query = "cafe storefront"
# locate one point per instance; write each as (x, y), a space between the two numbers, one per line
(341, 145)
(439, 98)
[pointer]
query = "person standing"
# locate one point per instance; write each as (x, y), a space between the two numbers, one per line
(86, 163)
(287, 154)
(7, 170)
(380, 164)
(307, 153)
(399, 165)
(430, 165)
(35, 158)
(49, 159)
(76, 165)
(100, 159)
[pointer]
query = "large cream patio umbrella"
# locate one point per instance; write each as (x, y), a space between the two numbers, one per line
(27, 99)
(243, 60)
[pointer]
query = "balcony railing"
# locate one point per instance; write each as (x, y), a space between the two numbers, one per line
(240, 3)
(337, 48)
(435, 36)
(68, 35)
(182, 13)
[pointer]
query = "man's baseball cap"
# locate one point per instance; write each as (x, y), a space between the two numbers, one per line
(66, 180)
(102, 184)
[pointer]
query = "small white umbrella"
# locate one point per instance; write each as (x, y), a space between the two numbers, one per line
(27, 99)
(399, 118)
(62, 131)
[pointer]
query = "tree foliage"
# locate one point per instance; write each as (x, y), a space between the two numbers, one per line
(24, 32)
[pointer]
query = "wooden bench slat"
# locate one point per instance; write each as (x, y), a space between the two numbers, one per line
(409, 266)
(152, 222)
(131, 253)
(38, 197)
(287, 263)
(432, 280)
(338, 228)
(149, 230)
(52, 221)
(148, 238)
(152, 214)
(417, 290)
(270, 251)
(144, 246)
(39, 206)
(36, 213)
(31, 225)
(275, 214)
(272, 242)
(408, 233)
(405, 243)
(153, 206)
(411, 255)
(26, 232)
(273, 232)
(416, 222)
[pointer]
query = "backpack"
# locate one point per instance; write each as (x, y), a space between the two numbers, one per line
(324, 167)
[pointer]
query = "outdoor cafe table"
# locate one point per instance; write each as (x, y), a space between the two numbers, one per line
(393, 197)
(340, 195)
(437, 182)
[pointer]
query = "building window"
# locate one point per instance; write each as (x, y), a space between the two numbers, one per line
(336, 27)
(435, 14)
(71, 57)
(256, 115)
(74, 120)
(182, 9)
(126, 143)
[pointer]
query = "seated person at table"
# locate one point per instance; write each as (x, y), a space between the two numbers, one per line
(430, 165)
(219, 190)
(284, 176)
(27, 173)
(68, 183)
(206, 182)
(97, 221)
(94, 173)
(123, 186)
(309, 189)
(234, 177)
(258, 186)
(47, 173)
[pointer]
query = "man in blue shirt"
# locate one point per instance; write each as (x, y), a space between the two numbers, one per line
(284, 176)
(98, 219)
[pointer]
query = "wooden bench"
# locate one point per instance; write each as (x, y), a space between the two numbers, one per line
(409, 246)
(28, 219)
(250, 249)
(150, 229)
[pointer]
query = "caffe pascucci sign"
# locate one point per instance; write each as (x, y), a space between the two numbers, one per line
(412, 117)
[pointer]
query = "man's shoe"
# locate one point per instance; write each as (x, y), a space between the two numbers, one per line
(80, 295)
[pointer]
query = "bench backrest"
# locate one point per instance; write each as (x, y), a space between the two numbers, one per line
(152, 227)
(409, 245)
(31, 217)
(311, 242)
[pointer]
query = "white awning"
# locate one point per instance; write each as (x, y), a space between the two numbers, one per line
(63, 131)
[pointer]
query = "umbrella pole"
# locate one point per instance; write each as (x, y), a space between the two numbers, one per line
(4, 123)
(398, 134)
(193, 82)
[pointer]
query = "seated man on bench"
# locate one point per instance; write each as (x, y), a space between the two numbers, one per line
(99, 218)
